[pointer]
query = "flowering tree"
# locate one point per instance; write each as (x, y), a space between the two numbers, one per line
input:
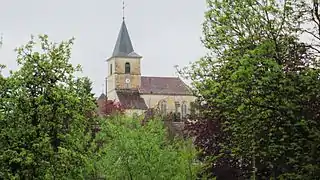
(111, 107)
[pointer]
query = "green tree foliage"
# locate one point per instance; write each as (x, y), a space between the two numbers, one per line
(262, 84)
(135, 151)
(46, 115)
(49, 128)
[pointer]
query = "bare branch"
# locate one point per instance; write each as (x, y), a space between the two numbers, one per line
(312, 33)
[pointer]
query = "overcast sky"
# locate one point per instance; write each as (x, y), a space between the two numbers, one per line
(164, 32)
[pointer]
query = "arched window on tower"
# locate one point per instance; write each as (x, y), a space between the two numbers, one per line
(127, 68)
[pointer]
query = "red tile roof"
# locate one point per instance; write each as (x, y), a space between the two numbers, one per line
(163, 85)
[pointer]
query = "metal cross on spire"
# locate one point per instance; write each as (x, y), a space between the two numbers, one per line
(123, 7)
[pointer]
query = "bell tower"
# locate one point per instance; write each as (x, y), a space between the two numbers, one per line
(124, 71)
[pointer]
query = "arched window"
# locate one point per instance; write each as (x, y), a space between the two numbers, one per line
(110, 69)
(184, 109)
(127, 68)
(163, 107)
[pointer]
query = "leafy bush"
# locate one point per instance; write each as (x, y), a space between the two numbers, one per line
(135, 151)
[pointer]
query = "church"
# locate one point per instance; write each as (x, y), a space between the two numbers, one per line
(137, 93)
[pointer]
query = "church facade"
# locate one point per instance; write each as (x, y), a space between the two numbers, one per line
(137, 93)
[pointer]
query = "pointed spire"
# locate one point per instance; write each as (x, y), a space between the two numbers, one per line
(123, 47)
(102, 96)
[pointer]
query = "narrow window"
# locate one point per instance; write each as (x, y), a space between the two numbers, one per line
(177, 105)
(184, 110)
(127, 68)
(127, 85)
(177, 114)
(163, 107)
(110, 69)
(182, 113)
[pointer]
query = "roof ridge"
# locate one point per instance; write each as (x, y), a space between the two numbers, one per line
(161, 77)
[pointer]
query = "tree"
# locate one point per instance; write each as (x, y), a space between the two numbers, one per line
(208, 136)
(261, 83)
(111, 107)
(135, 151)
(46, 115)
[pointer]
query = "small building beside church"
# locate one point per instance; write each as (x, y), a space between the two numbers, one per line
(137, 93)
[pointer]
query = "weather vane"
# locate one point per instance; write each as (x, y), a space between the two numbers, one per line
(123, 7)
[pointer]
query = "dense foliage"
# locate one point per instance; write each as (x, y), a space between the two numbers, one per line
(135, 151)
(261, 87)
(45, 115)
(208, 139)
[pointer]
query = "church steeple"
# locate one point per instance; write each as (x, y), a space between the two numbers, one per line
(123, 66)
(123, 47)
